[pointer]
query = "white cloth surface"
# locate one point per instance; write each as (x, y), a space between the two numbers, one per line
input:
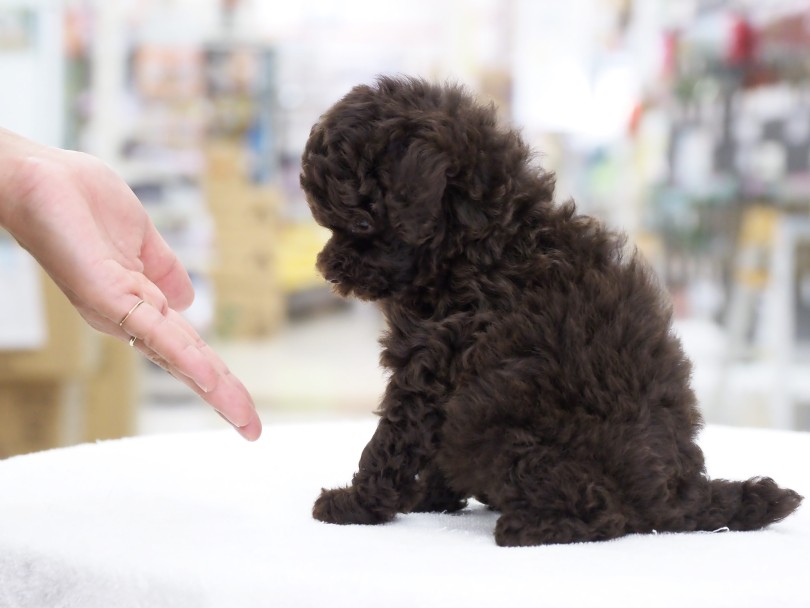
(208, 520)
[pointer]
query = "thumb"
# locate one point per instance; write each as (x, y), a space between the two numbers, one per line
(161, 266)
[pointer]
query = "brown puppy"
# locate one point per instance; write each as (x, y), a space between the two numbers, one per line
(531, 356)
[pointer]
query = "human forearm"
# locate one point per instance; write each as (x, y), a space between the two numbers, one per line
(18, 159)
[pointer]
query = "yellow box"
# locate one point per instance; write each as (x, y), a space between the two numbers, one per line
(299, 245)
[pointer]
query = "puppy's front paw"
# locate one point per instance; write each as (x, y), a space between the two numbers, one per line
(439, 504)
(344, 506)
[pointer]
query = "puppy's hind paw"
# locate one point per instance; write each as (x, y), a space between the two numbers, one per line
(518, 529)
(343, 506)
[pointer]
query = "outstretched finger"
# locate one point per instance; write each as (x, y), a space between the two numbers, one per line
(163, 268)
(251, 430)
(230, 398)
(172, 339)
(170, 342)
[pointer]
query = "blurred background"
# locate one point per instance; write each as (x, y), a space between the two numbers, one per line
(684, 122)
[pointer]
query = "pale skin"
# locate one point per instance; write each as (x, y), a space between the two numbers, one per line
(91, 234)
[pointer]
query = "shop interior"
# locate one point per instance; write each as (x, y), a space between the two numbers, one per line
(685, 124)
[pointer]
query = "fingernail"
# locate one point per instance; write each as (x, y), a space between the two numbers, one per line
(204, 386)
(243, 429)
(251, 431)
(225, 418)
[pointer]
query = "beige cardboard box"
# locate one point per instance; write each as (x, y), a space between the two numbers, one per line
(48, 413)
(248, 318)
(37, 415)
(247, 230)
(70, 350)
(241, 285)
(243, 256)
(226, 159)
(78, 386)
(111, 392)
(242, 202)
(247, 305)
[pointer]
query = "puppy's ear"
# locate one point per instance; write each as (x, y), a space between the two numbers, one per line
(418, 182)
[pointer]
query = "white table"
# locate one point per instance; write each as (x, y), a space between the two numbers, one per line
(206, 519)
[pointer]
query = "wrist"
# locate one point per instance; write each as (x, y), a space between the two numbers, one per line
(16, 153)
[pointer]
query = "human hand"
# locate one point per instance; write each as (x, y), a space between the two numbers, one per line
(90, 233)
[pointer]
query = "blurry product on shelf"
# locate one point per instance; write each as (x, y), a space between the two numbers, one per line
(241, 188)
(202, 158)
(767, 281)
(782, 45)
(78, 32)
(722, 37)
(264, 262)
(651, 247)
(765, 316)
(739, 132)
(18, 27)
(177, 207)
(167, 84)
(169, 72)
(496, 85)
(242, 96)
(162, 159)
(802, 293)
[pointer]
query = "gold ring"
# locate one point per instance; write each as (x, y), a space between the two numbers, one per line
(131, 310)
(132, 341)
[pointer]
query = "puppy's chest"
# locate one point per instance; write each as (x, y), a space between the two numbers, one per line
(439, 354)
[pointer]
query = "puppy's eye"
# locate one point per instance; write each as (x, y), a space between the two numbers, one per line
(361, 226)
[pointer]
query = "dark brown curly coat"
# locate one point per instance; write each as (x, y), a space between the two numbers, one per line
(532, 362)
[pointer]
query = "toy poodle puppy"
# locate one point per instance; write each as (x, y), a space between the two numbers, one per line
(531, 357)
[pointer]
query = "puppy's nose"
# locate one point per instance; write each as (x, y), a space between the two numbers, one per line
(331, 276)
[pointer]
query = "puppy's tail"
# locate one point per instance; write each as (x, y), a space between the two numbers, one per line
(746, 505)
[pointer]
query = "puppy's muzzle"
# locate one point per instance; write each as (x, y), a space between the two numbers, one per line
(328, 265)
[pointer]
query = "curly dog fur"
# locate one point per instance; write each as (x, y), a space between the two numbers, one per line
(532, 363)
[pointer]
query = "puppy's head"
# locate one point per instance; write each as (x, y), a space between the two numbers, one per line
(400, 172)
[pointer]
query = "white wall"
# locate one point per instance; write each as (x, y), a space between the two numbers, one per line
(32, 77)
